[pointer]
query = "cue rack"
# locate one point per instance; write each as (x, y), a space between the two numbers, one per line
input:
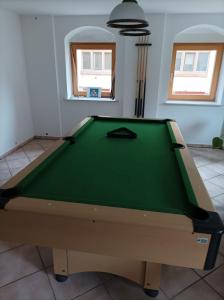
(143, 46)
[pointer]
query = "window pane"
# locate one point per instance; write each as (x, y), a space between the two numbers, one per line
(107, 60)
(86, 60)
(195, 83)
(91, 70)
(202, 64)
(189, 62)
(178, 61)
(97, 60)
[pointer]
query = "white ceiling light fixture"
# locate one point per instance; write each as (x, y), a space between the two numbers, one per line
(128, 14)
(134, 32)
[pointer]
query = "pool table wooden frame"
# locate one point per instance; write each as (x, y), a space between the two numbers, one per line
(123, 241)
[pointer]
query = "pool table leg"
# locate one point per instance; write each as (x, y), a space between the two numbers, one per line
(60, 258)
(60, 278)
(152, 279)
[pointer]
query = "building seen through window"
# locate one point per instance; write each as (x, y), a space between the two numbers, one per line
(93, 67)
(195, 71)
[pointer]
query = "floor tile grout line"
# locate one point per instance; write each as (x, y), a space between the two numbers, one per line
(186, 288)
(215, 195)
(214, 177)
(46, 272)
(215, 171)
(19, 149)
(208, 178)
(108, 292)
(212, 271)
(30, 158)
(202, 165)
(25, 276)
(217, 184)
(27, 156)
(203, 276)
(39, 270)
(164, 293)
(8, 168)
(205, 165)
(38, 251)
(211, 177)
(49, 282)
(106, 280)
(92, 289)
(201, 279)
(208, 284)
(13, 248)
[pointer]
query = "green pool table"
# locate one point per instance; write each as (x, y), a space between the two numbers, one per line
(116, 195)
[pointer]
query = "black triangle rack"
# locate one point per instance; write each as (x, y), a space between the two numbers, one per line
(122, 132)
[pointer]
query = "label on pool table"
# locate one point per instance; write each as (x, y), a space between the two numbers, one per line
(202, 240)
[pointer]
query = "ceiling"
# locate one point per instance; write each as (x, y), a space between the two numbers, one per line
(101, 7)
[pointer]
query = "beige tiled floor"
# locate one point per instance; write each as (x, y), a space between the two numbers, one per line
(26, 271)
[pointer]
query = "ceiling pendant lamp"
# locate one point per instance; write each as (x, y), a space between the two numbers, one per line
(135, 32)
(128, 14)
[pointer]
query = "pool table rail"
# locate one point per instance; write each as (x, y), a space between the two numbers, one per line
(192, 172)
(158, 244)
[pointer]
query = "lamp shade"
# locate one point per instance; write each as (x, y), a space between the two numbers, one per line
(135, 32)
(128, 14)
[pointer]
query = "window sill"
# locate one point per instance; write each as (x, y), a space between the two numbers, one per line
(91, 99)
(193, 103)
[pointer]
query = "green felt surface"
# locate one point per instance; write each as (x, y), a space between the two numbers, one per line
(142, 173)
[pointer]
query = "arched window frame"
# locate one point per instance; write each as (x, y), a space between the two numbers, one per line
(91, 46)
(219, 47)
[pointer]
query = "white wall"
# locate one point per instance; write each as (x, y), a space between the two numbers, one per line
(199, 124)
(15, 113)
(42, 76)
(45, 53)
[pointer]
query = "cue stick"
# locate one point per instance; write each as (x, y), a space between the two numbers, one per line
(143, 75)
(146, 65)
(141, 79)
(137, 83)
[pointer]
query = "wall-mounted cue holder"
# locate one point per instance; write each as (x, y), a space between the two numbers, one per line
(142, 64)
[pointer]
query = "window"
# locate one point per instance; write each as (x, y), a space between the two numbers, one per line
(93, 65)
(195, 71)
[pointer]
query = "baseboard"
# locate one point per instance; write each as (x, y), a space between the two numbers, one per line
(46, 137)
(16, 148)
(199, 146)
